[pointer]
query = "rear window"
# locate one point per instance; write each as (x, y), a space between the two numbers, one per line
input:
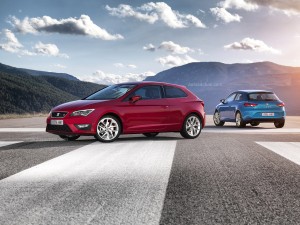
(173, 92)
(262, 96)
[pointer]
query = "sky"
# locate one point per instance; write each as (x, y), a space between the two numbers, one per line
(112, 41)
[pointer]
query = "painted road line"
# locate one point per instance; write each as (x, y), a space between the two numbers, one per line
(289, 150)
(116, 183)
(21, 130)
(251, 130)
(6, 143)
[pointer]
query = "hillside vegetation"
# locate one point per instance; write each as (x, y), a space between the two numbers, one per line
(22, 93)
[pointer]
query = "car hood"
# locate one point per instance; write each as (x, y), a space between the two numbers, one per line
(78, 105)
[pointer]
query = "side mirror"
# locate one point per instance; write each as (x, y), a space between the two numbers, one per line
(134, 99)
(223, 101)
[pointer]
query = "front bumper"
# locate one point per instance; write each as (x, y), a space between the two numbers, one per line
(72, 126)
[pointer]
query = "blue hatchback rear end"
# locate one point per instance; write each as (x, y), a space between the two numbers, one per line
(250, 106)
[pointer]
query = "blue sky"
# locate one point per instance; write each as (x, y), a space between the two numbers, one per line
(115, 41)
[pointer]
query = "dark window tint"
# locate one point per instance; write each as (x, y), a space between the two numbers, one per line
(263, 96)
(148, 92)
(173, 92)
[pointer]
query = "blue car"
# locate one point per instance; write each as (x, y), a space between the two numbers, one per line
(250, 106)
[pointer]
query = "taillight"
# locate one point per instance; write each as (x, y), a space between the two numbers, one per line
(202, 103)
(280, 104)
(248, 104)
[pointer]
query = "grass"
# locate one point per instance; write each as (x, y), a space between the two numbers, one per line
(25, 115)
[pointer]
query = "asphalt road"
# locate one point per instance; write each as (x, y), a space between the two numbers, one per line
(226, 176)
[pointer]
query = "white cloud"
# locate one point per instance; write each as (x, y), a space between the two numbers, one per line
(172, 60)
(252, 45)
(150, 47)
(105, 78)
(127, 11)
(60, 66)
(224, 15)
(160, 11)
(132, 66)
(121, 65)
(174, 48)
(48, 50)
(289, 7)
(11, 43)
(238, 4)
(82, 26)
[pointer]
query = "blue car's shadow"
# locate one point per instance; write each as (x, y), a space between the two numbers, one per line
(248, 127)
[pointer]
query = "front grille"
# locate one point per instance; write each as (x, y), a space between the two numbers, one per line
(62, 128)
(58, 114)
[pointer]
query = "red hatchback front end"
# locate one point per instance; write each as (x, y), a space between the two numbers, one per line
(144, 107)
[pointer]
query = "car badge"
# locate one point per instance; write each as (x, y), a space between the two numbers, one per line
(57, 114)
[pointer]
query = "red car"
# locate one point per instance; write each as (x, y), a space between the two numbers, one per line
(130, 108)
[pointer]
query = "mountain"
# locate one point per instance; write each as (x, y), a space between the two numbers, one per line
(13, 70)
(212, 81)
(24, 93)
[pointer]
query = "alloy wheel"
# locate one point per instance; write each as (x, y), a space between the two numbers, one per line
(193, 126)
(108, 129)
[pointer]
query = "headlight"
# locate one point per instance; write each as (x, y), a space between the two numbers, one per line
(82, 112)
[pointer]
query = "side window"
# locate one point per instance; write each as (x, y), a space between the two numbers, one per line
(238, 97)
(148, 92)
(173, 92)
(230, 98)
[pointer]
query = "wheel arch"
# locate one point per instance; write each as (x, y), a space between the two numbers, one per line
(197, 114)
(114, 115)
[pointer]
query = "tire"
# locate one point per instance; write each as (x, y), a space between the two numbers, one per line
(191, 127)
(108, 129)
(150, 135)
(217, 119)
(279, 124)
(239, 120)
(254, 124)
(69, 137)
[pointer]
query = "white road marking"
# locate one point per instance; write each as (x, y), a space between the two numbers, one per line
(116, 183)
(5, 143)
(251, 130)
(21, 130)
(289, 150)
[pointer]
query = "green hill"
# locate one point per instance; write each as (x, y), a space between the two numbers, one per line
(23, 93)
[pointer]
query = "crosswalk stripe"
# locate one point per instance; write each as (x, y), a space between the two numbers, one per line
(116, 183)
(289, 150)
(21, 130)
(6, 143)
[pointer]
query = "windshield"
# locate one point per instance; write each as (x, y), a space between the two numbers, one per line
(111, 92)
(263, 96)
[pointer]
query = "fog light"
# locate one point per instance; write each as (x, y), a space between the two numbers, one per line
(83, 126)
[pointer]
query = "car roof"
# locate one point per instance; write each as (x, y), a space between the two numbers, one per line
(151, 83)
(254, 91)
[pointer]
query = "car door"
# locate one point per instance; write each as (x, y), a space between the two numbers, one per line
(226, 108)
(149, 114)
(176, 99)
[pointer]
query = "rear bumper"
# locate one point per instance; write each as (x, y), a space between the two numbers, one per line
(257, 115)
(265, 120)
